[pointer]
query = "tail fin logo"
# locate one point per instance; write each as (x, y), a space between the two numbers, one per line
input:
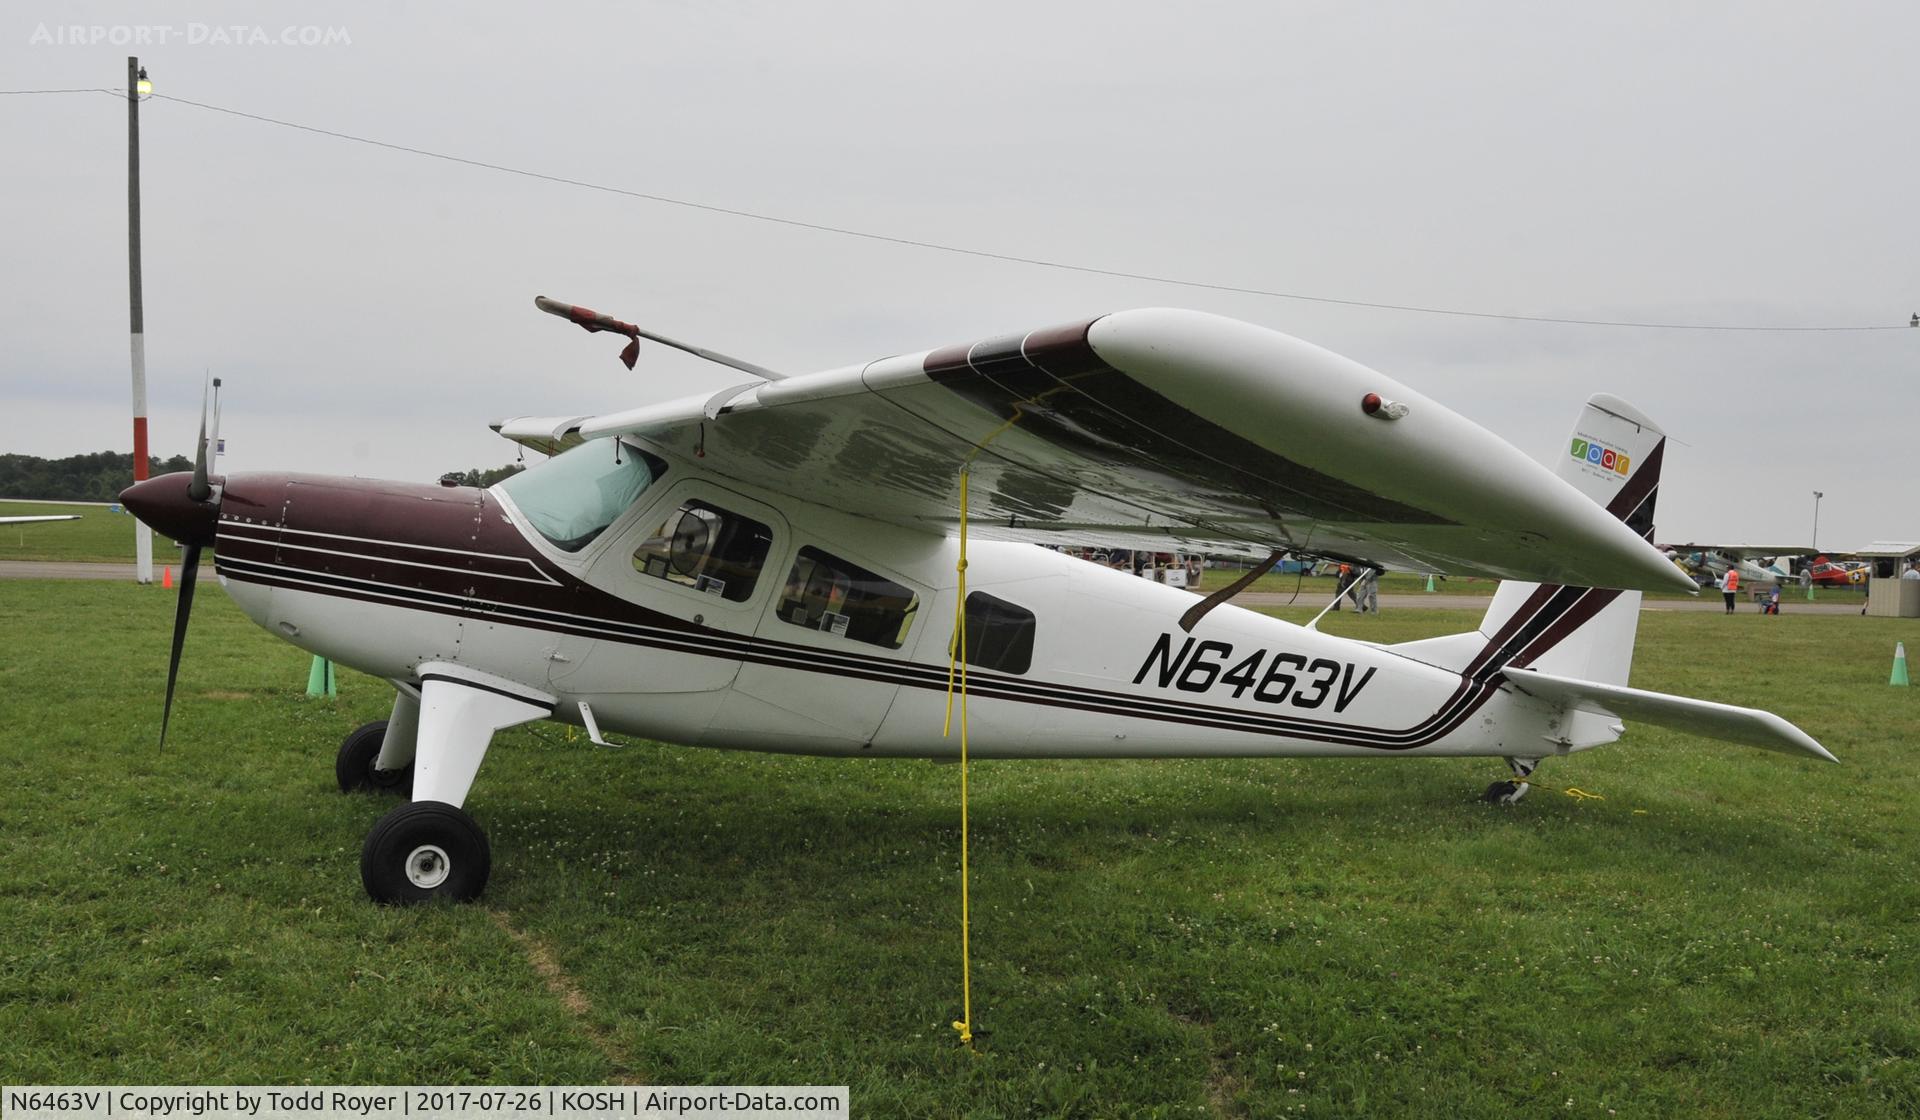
(1596, 454)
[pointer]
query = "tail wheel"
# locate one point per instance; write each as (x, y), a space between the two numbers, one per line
(1505, 793)
(425, 850)
(356, 766)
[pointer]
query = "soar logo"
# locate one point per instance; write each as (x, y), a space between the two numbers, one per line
(1596, 454)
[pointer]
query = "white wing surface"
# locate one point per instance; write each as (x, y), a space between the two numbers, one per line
(1151, 429)
(47, 517)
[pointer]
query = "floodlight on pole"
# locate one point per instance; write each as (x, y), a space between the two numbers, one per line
(141, 86)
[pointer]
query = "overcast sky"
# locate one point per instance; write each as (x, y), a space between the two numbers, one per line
(371, 311)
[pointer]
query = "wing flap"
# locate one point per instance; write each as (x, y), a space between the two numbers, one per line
(1749, 726)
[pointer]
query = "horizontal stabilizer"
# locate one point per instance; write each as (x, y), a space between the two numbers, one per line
(1750, 726)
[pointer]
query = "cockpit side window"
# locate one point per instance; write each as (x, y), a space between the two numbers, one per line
(571, 498)
(708, 549)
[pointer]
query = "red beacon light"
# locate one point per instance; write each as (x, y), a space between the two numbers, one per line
(1380, 408)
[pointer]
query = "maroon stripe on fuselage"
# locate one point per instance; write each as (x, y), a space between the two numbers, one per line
(909, 674)
(471, 522)
(412, 520)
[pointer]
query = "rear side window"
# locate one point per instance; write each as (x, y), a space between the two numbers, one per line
(999, 634)
(708, 549)
(827, 593)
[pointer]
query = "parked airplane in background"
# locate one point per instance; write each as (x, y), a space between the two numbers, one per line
(1839, 573)
(1757, 564)
(28, 520)
(796, 565)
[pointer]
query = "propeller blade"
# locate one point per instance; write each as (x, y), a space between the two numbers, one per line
(213, 436)
(189, 567)
(200, 488)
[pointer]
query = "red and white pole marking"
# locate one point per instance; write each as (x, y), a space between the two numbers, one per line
(142, 536)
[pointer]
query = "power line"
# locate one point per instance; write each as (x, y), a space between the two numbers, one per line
(984, 254)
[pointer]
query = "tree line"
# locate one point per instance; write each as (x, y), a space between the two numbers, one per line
(100, 476)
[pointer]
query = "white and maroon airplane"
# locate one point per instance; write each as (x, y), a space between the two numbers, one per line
(777, 567)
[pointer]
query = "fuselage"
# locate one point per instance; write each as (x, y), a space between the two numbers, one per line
(703, 613)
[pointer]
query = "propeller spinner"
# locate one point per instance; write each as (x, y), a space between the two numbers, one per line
(185, 506)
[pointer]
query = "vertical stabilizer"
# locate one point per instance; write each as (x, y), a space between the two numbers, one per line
(1613, 456)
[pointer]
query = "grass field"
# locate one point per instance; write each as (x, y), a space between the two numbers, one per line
(101, 535)
(1727, 934)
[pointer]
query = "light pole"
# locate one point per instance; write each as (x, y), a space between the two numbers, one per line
(1817, 495)
(137, 87)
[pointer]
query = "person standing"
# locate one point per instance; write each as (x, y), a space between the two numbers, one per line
(1731, 586)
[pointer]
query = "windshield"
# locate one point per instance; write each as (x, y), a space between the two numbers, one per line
(571, 498)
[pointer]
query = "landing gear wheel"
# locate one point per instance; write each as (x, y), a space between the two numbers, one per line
(356, 766)
(425, 850)
(1505, 793)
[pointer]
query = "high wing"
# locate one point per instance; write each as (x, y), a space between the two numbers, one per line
(1154, 429)
(48, 517)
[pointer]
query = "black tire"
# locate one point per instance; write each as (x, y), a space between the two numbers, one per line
(1498, 793)
(354, 767)
(425, 850)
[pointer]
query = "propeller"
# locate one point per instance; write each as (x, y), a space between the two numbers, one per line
(188, 567)
(186, 507)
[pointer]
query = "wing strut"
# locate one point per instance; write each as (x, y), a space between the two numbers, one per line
(1199, 610)
(594, 322)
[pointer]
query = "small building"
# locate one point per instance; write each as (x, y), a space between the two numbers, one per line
(1888, 595)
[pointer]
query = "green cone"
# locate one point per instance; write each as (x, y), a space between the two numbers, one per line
(320, 678)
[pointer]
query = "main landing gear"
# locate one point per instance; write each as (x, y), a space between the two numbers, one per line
(357, 766)
(430, 847)
(1508, 792)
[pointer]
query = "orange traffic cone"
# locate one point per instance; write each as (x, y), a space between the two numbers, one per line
(166, 576)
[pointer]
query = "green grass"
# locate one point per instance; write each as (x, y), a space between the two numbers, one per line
(101, 535)
(1728, 934)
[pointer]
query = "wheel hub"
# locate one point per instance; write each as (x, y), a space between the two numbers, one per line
(428, 866)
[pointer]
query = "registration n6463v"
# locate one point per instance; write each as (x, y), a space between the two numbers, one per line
(1273, 677)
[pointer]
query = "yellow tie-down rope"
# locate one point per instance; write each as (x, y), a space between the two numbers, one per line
(957, 667)
(957, 671)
